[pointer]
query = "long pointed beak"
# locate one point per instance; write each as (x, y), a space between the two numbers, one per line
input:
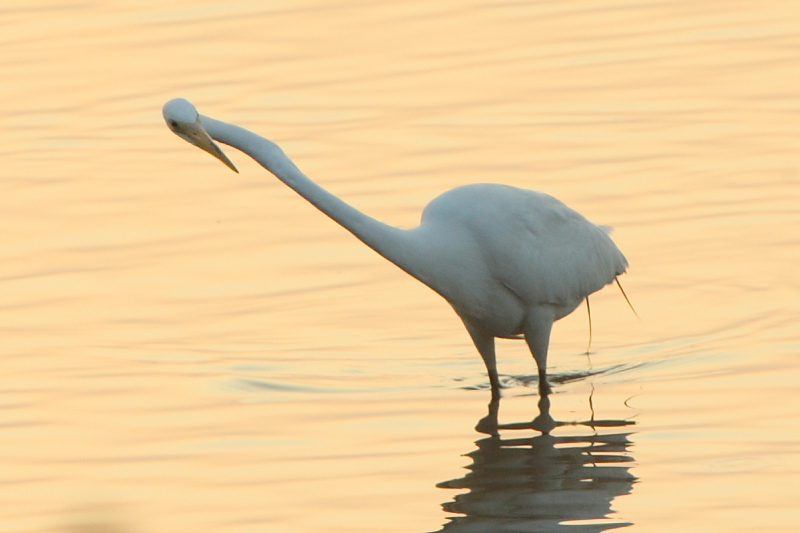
(203, 140)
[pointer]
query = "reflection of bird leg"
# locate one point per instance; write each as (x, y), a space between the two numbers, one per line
(544, 422)
(522, 482)
(488, 424)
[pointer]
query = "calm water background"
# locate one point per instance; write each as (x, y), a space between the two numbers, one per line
(187, 349)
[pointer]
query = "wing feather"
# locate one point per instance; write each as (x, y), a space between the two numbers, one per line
(538, 247)
(558, 255)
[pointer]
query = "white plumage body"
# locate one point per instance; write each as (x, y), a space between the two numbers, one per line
(513, 249)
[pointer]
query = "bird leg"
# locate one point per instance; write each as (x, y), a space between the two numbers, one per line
(537, 328)
(484, 342)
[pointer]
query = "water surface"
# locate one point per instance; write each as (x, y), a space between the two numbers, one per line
(188, 349)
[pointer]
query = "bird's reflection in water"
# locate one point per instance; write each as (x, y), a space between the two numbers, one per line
(542, 483)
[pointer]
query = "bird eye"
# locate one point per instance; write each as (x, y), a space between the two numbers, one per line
(173, 123)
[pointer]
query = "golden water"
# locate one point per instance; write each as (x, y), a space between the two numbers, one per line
(188, 349)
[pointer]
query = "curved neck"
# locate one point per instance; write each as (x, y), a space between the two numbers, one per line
(392, 243)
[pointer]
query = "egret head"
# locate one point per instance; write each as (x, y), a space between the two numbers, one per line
(184, 121)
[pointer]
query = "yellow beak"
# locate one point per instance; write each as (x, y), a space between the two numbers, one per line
(200, 138)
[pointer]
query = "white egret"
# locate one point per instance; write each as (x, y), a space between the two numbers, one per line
(509, 261)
